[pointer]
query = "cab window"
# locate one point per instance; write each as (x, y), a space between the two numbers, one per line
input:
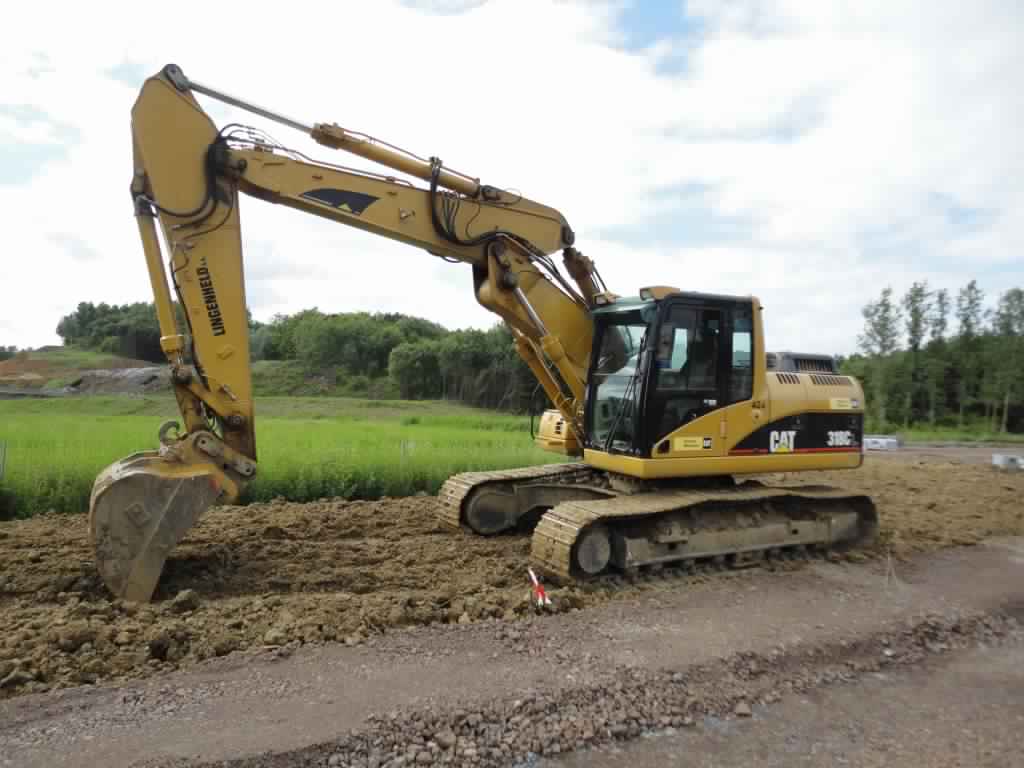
(615, 388)
(703, 361)
(686, 379)
(741, 378)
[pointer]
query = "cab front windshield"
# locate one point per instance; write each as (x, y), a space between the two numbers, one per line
(615, 412)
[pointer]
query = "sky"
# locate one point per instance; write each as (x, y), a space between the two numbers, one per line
(807, 152)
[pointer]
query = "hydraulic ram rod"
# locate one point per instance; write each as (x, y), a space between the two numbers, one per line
(336, 137)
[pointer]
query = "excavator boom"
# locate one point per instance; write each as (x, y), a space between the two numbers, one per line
(187, 180)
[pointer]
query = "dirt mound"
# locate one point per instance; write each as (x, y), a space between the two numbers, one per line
(22, 364)
(335, 571)
(26, 379)
(87, 373)
(48, 365)
(138, 380)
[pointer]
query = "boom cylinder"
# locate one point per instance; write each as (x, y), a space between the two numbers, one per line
(171, 341)
(338, 138)
(334, 136)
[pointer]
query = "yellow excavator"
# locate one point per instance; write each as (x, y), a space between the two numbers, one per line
(662, 400)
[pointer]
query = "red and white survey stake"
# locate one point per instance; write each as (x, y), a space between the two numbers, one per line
(538, 590)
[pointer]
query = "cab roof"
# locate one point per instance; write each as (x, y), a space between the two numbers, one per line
(629, 303)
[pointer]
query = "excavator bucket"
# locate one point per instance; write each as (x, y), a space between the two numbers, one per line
(140, 508)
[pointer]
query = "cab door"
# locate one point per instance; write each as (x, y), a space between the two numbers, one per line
(743, 413)
(689, 382)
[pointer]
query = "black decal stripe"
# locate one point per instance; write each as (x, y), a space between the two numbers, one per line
(811, 434)
(756, 451)
(344, 199)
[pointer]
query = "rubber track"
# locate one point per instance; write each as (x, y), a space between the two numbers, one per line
(559, 528)
(457, 487)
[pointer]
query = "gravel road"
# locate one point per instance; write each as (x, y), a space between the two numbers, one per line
(498, 693)
(961, 709)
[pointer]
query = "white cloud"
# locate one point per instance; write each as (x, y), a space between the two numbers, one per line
(843, 134)
(28, 129)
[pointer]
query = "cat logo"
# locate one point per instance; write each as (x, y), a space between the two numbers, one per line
(783, 441)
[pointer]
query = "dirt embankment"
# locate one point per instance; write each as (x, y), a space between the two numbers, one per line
(337, 571)
(64, 371)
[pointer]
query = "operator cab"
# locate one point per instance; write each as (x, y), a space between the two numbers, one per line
(662, 361)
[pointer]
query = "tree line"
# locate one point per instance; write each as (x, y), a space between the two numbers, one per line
(422, 359)
(919, 369)
(925, 358)
(380, 354)
(127, 330)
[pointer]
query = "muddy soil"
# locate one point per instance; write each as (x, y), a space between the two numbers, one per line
(284, 574)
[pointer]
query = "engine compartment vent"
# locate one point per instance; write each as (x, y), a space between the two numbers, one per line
(808, 364)
(788, 378)
(801, 362)
(830, 381)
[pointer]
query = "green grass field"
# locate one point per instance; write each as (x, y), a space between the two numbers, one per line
(308, 448)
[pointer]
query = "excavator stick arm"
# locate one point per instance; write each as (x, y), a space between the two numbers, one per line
(188, 179)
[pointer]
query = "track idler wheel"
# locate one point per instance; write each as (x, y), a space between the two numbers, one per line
(491, 510)
(593, 550)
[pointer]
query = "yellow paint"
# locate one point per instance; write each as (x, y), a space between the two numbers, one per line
(206, 261)
(169, 127)
(695, 466)
(841, 404)
(555, 434)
